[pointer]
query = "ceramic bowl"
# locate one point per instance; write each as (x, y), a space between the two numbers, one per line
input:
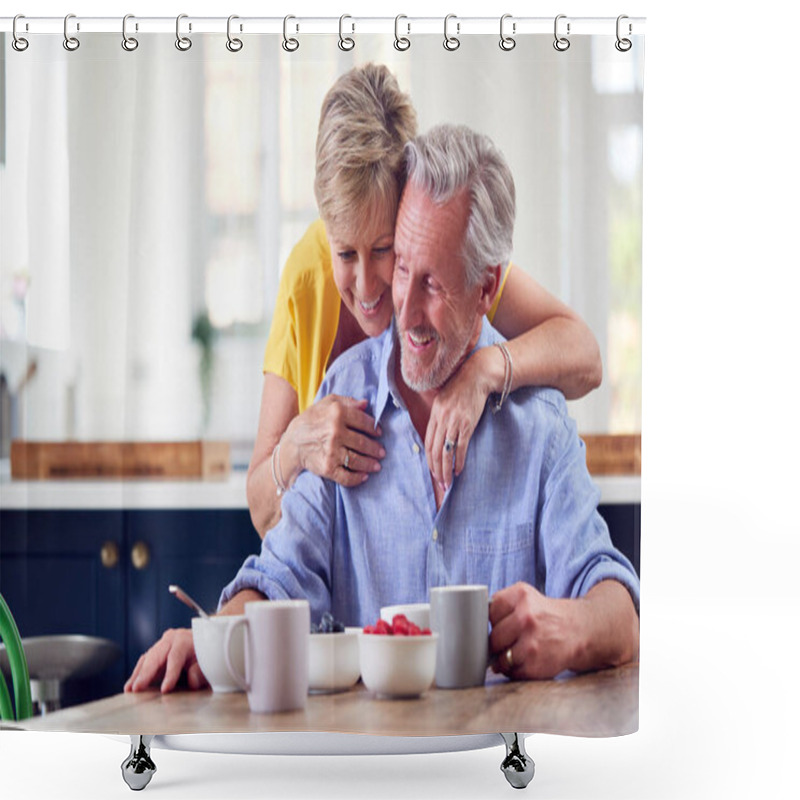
(398, 666)
(209, 641)
(333, 662)
(418, 613)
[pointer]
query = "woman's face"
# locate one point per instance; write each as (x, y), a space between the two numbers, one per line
(363, 264)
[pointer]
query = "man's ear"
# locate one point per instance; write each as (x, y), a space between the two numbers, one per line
(490, 283)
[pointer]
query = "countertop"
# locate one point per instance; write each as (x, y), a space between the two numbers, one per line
(228, 493)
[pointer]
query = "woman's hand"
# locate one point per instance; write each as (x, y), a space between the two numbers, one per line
(334, 439)
(456, 410)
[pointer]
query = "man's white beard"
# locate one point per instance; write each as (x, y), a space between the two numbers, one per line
(444, 365)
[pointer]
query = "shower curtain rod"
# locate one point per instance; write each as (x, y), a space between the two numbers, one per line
(408, 26)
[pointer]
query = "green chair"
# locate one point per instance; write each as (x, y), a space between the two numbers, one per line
(19, 670)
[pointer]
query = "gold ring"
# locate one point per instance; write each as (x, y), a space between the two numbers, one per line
(510, 658)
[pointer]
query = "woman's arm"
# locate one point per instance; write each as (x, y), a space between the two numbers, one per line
(332, 432)
(549, 345)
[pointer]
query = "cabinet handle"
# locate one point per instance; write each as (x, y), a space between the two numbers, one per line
(109, 554)
(140, 555)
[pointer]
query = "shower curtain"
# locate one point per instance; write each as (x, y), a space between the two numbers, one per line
(150, 195)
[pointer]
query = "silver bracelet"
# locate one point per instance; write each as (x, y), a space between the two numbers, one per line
(508, 376)
(276, 477)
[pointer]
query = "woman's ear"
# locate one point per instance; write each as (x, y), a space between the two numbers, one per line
(490, 283)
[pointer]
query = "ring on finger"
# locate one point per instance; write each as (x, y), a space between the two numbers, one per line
(510, 658)
(346, 464)
(449, 445)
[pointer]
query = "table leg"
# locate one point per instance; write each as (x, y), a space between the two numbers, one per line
(517, 766)
(138, 768)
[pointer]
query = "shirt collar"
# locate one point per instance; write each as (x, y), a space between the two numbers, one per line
(387, 386)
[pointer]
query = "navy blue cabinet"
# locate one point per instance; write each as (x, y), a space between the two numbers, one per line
(107, 572)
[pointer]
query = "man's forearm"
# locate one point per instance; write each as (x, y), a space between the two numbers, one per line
(236, 604)
(609, 628)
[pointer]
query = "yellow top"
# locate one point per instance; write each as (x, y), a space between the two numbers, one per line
(306, 316)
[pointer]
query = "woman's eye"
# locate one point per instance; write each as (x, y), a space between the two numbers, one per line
(382, 251)
(347, 255)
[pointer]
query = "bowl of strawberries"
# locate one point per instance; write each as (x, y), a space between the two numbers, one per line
(398, 658)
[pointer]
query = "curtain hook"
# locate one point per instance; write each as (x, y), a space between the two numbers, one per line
(346, 43)
(289, 43)
(623, 45)
(233, 44)
(561, 43)
(401, 42)
(451, 42)
(507, 42)
(183, 43)
(71, 43)
(18, 42)
(128, 42)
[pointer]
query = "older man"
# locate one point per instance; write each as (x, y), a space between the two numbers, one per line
(522, 515)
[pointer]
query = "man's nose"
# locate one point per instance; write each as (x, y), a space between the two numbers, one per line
(408, 306)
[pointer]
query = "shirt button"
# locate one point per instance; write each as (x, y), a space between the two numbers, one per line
(415, 448)
(435, 534)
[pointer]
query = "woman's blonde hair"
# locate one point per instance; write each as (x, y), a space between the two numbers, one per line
(364, 125)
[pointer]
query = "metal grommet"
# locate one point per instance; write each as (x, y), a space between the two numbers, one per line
(623, 45)
(451, 42)
(128, 42)
(401, 43)
(19, 43)
(71, 43)
(183, 43)
(507, 42)
(289, 43)
(561, 43)
(346, 43)
(233, 44)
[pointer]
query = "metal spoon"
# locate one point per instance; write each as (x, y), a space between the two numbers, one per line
(184, 598)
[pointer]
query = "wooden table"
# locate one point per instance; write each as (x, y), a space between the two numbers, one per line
(604, 703)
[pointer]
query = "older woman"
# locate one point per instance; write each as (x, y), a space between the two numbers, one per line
(336, 290)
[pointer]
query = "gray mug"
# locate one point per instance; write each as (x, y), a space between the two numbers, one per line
(460, 615)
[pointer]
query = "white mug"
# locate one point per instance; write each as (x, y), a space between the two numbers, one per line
(460, 615)
(275, 654)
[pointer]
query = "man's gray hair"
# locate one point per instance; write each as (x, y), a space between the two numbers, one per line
(451, 158)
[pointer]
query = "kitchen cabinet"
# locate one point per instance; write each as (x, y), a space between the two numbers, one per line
(106, 573)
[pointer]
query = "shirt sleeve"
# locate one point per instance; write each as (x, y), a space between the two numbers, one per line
(493, 310)
(574, 542)
(305, 318)
(295, 558)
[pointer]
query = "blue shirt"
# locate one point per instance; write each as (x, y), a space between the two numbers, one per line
(523, 509)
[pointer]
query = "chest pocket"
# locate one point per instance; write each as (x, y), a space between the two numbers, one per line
(499, 557)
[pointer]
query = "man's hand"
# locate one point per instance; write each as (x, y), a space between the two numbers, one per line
(540, 632)
(545, 636)
(172, 655)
